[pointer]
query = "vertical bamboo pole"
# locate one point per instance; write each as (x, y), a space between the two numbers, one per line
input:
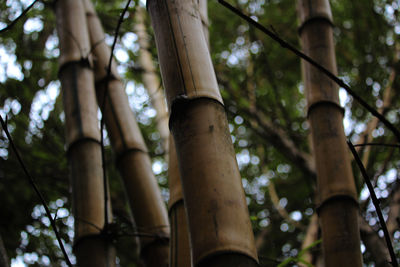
(338, 206)
(180, 255)
(133, 160)
(203, 10)
(150, 79)
(220, 229)
(83, 136)
(179, 244)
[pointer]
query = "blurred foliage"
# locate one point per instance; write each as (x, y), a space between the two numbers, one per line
(255, 75)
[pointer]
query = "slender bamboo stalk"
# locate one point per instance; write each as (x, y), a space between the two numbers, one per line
(179, 247)
(132, 158)
(220, 229)
(82, 134)
(180, 254)
(150, 78)
(338, 207)
(203, 10)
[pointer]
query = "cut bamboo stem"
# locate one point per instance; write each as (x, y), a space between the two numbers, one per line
(219, 224)
(133, 161)
(83, 136)
(338, 206)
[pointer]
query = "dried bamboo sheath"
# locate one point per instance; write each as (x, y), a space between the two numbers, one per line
(338, 206)
(220, 225)
(82, 134)
(132, 158)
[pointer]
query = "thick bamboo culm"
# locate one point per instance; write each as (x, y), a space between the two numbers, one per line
(179, 242)
(133, 161)
(219, 224)
(83, 136)
(338, 207)
(180, 253)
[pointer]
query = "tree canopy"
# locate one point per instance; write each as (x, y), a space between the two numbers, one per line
(261, 85)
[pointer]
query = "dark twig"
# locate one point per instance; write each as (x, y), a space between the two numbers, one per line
(377, 144)
(332, 76)
(36, 189)
(103, 107)
(375, 201)
(9, 26)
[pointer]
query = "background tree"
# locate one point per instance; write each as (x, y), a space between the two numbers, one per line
(264, 97)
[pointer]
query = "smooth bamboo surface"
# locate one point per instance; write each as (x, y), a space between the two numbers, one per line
(203, 10)
(338, 208)
(95, 251)
(220, 224)
(185, 56)
(82, 134)
(133, 161)
(180, 255)
(150, 78)
(217, 212)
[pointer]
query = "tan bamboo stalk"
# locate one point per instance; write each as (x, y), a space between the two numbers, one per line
(203, 10)
(180, 247)
(373, 123)
(133, 160)
(180, 255)
(83, 136)
(310, 237)
(338, 206)
(150, 78)
(220, 229)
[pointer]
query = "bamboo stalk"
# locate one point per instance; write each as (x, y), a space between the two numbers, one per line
(83, 136)
(338, 206)
(219, 225)
(150, 79)
(132, 157)
(180, 254)
(203, 10)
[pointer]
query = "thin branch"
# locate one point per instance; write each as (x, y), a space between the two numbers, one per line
(9, 26)
(377, 144)
(103, 107)
(332, 76)
(375, 201)
(36, 189)
(281, 210)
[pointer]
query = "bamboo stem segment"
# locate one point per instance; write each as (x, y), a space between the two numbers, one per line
(133, 161)
(338, 207)
(150, 78)
(180, 254)
(218, 218)
(83, 136)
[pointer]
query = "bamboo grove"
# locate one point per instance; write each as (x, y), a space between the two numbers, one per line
(233, 154)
